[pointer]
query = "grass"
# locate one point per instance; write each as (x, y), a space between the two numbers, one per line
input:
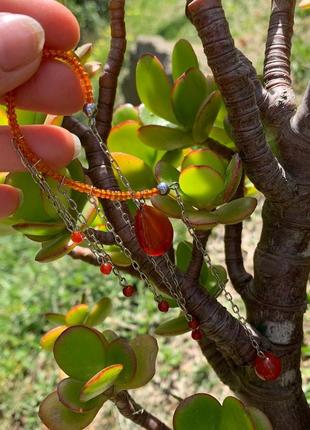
(28, 289)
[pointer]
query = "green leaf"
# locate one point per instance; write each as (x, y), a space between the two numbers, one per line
(138, 173)
(202, 220)
(220, 135)
(80, 352)
(173, 157)
(167, 205)
(55, 317)
(55, 248)
(205, 157)
(31, 208)
(183, 255)
(48, 340)
(76, 171)
(100, 382)
(234, 416)
(120, 352)
(183, 58)
(205, 117)
(233, 177)
(153, 87)
(64, 200)
(173, 327)
(55, 416)
(259, 419)
(110, 335)
(164, 138)
(188, 93)
(202, 184)
(209, 280)
(125, 112)
(40, 228)
(146, 349)
(25, 117)
(99, 312)
(199, 412)
(165, 172)
(124, 138)
(69, 390)
(77, 314)
(236, 210)
(147, 117)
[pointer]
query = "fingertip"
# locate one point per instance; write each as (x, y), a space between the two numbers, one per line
(10, 200)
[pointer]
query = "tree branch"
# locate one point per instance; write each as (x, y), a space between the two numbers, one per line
(277, 67)
(134, 412)
(108, 80)
(237, 89)
(193, 272)
(239, 277)
(301, 121)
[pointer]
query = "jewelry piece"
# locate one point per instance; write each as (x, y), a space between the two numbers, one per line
(153, 229)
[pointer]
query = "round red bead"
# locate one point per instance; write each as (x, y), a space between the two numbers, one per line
(197, 334)
(154, 231)
(193, 324)
(129, 290)
(163, 306)
(268, 368)
(106, 268)
(77, 237)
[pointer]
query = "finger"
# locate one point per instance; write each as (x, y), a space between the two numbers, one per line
(21, 43)
(60, 26)
(55, 145)
(53, 89)
(10, 200)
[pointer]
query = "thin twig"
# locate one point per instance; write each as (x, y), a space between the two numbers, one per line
(134, 412)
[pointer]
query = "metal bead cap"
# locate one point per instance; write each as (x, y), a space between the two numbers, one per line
(163, 188)
(90, 109)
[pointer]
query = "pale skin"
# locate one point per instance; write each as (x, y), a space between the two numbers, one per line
(50, 87)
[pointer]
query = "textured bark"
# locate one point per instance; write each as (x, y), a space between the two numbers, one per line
(276, 298)
(135, 413)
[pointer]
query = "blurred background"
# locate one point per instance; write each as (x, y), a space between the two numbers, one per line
(28, 289)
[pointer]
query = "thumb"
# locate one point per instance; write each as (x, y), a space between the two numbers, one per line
(21, 43)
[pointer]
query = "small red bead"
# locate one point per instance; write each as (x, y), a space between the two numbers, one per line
(163, 306)
(106, 268)
(268, 368)
(129, 290)
(77, 237)
(193, 324)
(197, 334)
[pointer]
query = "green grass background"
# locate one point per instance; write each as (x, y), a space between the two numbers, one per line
(28, 289)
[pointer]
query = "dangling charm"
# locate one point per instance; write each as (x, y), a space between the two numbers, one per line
(129, 290)
(77, 237)
(154, 231)
(268, 367)
(163, 306)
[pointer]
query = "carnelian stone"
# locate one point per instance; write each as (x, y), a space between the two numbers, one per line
(106, 268)
(154, 231)
(129, 290)
(268, 368)
(193, 324)
(77, 237)
(163, 306)
(197, 334)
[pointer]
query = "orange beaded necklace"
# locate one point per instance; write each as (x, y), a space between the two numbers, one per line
(20, 141)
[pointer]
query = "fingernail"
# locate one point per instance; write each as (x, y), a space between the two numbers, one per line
(21, 41)
(77, 146)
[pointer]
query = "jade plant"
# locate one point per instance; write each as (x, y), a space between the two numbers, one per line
(99, 365)
(201, 144)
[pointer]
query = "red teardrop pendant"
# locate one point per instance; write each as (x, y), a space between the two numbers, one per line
(268, 367)
(154, 231)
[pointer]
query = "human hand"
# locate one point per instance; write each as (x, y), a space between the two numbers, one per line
(50, 87)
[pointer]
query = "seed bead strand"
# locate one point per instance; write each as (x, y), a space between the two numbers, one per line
(20, 141)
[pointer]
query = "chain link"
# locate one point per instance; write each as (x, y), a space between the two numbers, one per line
(220, 282)
(174, 292)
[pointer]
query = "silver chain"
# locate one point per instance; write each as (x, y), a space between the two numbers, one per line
(174, 292)
(221, 284)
